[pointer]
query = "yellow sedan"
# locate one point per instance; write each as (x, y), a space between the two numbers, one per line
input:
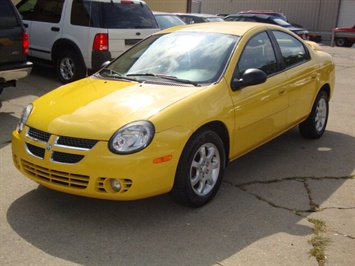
(170, 113)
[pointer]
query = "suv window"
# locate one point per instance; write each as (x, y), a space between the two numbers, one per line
(41, 10)
(111, 15)
(292, 50)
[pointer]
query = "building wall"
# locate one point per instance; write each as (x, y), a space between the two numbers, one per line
(315, 15)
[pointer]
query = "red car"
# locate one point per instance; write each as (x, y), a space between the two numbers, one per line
(345, 41)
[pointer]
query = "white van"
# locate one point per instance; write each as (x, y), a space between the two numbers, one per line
(77, 35)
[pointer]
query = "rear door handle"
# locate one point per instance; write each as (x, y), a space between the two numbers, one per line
(282, 91)
(55, 29)
(25, 24)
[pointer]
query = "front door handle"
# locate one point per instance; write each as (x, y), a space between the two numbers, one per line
(55, 29)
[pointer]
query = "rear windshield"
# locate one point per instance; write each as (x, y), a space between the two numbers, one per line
(111, 15)
(8, 18)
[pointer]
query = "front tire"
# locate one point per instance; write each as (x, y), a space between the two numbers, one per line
(314, 126)
(69, 67)
(200, 170)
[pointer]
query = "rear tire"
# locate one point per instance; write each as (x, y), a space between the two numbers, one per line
(341, 42)
(314, 126)
(69, 67)
(200, 170)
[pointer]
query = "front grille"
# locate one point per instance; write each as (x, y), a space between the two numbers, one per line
(38, 135)
(62, 157)
(36, 151)
(57, 146)
(76, 142)
(57, 177)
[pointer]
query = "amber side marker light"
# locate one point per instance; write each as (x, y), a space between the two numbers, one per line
(163, 159)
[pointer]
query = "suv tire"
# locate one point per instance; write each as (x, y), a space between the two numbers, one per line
(69, 67)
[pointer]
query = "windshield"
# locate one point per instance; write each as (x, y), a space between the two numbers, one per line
(188, 57)
(167, 21)
(281, 22)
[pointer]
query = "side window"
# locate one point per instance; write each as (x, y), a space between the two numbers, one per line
(80, 13)
(8, 18)
(258, 53)
(49, 11)
(26, 8)
(292, 50)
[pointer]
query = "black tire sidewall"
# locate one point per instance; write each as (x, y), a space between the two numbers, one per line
(308, 127)
(182, 191)
(79, 67)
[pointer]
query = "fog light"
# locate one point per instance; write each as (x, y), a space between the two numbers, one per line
(115, 184)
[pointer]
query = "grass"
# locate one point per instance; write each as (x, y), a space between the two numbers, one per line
(319, 242)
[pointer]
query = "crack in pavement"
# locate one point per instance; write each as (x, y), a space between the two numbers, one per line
(322, 241)
(313, 206)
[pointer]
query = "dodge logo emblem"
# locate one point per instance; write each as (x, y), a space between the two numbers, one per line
(49, 146)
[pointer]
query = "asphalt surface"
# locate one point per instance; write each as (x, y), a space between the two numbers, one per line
(264, 214)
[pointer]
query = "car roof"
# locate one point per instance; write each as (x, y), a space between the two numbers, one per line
(202, 15)
(163, 13)
(238, 28)
(268, 12)
(118, 2)
(248, 15)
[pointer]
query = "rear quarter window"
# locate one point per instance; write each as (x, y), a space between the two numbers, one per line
(293, 51)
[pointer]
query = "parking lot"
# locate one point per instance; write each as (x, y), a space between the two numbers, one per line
(262, 214)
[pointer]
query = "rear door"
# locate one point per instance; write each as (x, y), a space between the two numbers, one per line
(43, 20)
(301, 74)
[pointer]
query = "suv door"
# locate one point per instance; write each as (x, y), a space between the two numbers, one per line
(43, 19)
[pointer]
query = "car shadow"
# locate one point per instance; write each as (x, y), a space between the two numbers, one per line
(263, 194)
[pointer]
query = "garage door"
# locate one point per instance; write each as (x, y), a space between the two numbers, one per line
(346, 13)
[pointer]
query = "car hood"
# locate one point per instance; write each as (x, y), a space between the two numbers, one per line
(93, 108)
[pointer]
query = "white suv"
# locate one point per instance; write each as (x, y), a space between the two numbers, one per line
(77, 35)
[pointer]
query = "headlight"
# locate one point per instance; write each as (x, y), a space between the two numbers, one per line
(132, 137)
(23, 119)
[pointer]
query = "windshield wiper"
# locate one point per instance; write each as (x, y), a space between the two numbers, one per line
(173, 78)
(114, 74)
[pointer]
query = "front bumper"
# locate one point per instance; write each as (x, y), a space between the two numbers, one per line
(85, 167)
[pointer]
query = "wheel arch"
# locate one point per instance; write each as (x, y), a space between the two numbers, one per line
(65, 44)
(221, 130)
(326, 89)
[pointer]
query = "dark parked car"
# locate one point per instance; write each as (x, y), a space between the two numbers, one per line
(345, 41)
(270, 19)
(266, 12)
(13, 46)
(191, 18)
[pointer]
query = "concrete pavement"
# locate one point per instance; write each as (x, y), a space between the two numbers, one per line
(265, 213)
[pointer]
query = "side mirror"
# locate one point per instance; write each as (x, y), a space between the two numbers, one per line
(250, 77)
